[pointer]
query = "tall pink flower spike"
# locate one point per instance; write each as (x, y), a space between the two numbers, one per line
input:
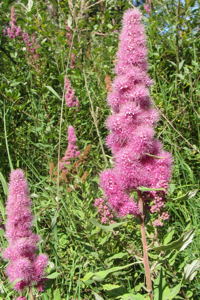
(13, 31)
(139, 159)
(70, 98)
(71, 151)
(24, 264)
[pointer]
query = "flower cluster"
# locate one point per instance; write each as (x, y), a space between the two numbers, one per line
(139, 159)
(71, 151)
(71, 99)
(104, 211)
(25, 266)
(13, 31)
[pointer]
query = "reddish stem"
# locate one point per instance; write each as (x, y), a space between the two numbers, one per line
(31, 293)
(144, 242)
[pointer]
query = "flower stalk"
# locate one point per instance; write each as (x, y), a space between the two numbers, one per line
(144, 243)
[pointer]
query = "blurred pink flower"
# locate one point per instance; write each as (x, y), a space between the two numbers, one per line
(71, 99)
(71, 151)
(13, 31)
(147, 8)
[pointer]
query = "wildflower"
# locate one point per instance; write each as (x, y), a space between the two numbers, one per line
(139, 159)
(24, 266)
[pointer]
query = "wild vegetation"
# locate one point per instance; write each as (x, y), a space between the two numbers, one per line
(48, 48)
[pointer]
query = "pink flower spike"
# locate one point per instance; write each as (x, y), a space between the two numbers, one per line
(22, 247)
(138, 158)
(71, 151)
(71, 99)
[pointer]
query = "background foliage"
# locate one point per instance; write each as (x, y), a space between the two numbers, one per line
(29, 139)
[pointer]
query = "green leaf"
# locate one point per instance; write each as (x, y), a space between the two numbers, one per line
(118, 255)
(114, 290)
(181, 64)
(173, 292)
(169, 236)
(30, 5)
(180, 244)
(131, 296)
(187, 196)
(145, 189)
(4, 184)
(106, 228)
(97, 297)
(109, 287)
(53, 275)
(99, 276)
(87, 276)
(190, 270)
(53, 91)
(158, 157)
(56, 295)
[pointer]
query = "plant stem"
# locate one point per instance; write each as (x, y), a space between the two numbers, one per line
(31, 293)
(95, 119)
(144, 243)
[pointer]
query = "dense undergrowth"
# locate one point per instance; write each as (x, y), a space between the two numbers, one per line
(33, 129)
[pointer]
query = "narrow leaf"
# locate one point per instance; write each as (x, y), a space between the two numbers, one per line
(180, 244)
(173, 292)
(4, 184)
(53, 91)
(190, 269)
(187, 196)
(145, 189)
(97, 297)
(53, 275)
(118, 255)
(181, 64)
(99, 276)
(109, 287)
(56, 295)
(106, 228)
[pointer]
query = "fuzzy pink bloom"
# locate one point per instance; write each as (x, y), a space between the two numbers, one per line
(71, 99)
(71, 151)
(24, 263)
(21, 298)
(138, 157)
